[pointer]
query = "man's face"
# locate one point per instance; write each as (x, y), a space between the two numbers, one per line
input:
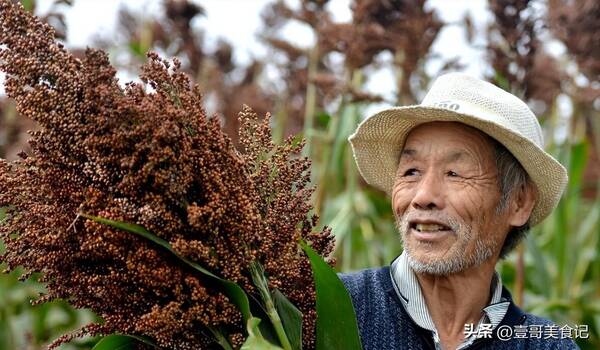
(445, 198)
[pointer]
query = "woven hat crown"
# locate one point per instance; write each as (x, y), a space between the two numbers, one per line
(465, 94)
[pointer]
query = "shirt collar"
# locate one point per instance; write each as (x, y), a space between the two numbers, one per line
(408, 289)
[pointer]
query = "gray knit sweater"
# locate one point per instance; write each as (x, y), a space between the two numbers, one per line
(384, 324)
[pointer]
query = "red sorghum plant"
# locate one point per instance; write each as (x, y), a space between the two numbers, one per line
(517, 55)
(147, 154)
(172, 32)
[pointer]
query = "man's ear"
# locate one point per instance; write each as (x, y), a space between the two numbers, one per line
(522, 204)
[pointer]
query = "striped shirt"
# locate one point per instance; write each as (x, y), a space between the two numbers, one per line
(408, 289)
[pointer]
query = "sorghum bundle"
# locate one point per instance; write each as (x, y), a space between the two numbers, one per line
(146, 154)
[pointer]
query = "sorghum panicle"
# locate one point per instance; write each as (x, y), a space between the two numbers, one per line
(147, 154)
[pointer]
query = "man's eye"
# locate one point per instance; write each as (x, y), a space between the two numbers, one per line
(410, 172)
(452, 174)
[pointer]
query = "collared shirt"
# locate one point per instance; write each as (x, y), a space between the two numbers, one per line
(409, 291)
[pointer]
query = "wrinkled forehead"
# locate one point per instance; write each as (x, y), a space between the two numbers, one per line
(455, 140)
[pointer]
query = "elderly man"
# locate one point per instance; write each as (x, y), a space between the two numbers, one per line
(467, 177)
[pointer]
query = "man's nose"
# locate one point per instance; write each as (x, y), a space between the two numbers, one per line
(429, 193)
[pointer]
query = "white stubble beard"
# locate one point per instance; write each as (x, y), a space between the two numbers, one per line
(458, 262)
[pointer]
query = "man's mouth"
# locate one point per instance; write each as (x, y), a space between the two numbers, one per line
(429, 227)
(430, 231)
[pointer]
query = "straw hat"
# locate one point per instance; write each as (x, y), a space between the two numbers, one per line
(457, 97)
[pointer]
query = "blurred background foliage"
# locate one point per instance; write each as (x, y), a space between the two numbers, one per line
(319, 92)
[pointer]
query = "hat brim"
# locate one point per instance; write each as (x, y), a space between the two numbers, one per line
(379, 139)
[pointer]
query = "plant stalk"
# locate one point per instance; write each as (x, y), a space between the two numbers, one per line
(221, 340)
(520, 276)
(260, 281)
(311, 99)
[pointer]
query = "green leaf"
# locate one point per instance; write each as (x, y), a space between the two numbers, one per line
(297, 139)
(136, 48)
(336, 320)
(220, 338)
(266, 328)
(291, 318)
(28, 5)
(577, 163)
(260, 281)
(121, 342)
(502, 81)
(322, 120)
(7, 333)
(539, 279)
(235, 293)
(255, 340)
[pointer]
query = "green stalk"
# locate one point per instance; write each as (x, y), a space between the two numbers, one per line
(311, 98)
(520, 276)
(221, 340)
(260, 281)
(326, 154)
(7, 334)
(332, 143)
(281, 115)
(352, 171)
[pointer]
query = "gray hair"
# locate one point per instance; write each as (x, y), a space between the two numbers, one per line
(511, 179)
